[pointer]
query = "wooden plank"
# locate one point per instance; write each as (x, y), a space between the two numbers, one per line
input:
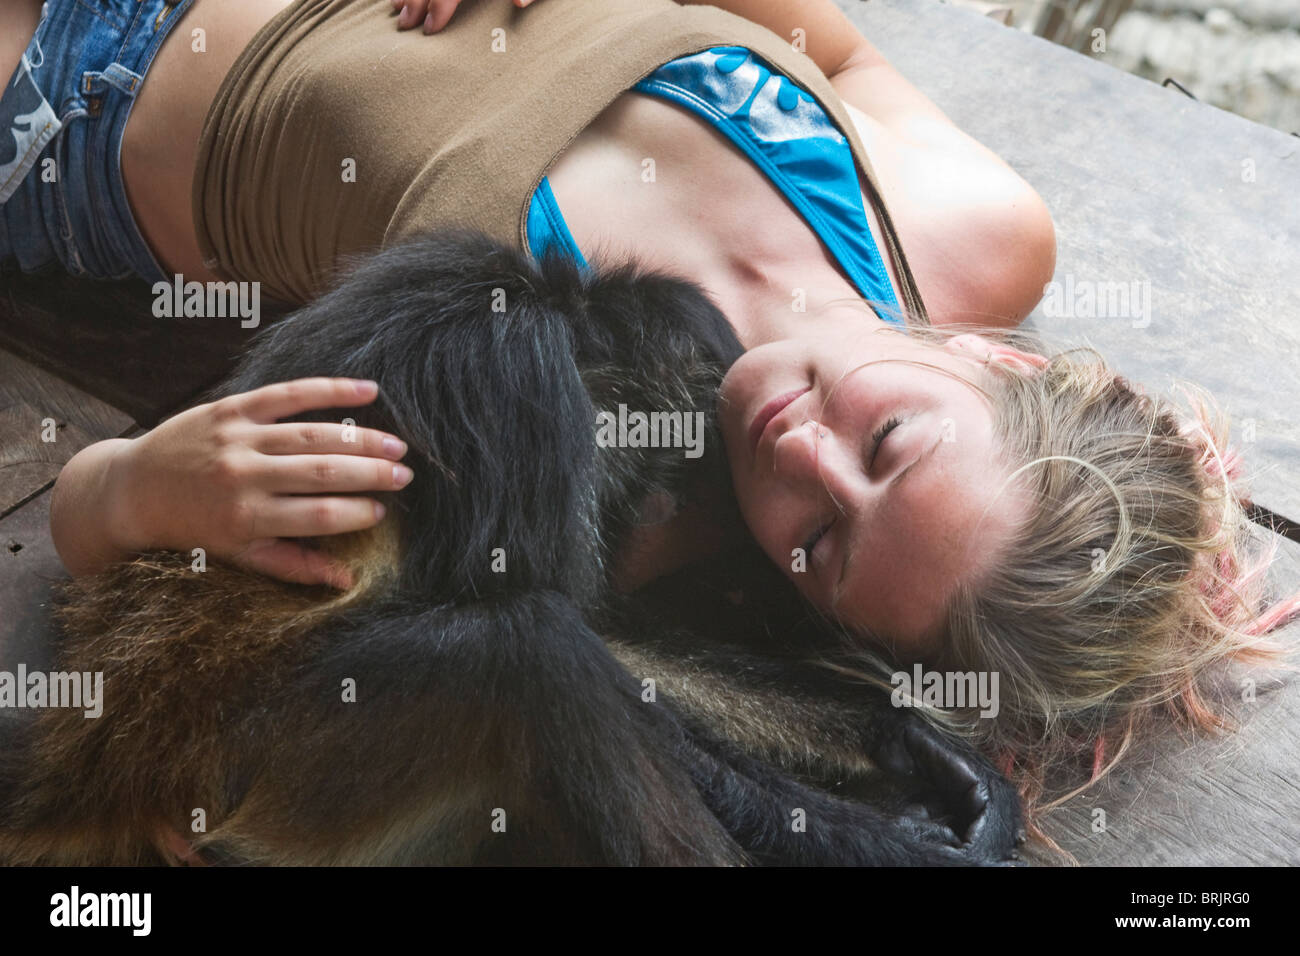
(29, 568)
(1230, 800)
(44, 421)
(104, 337)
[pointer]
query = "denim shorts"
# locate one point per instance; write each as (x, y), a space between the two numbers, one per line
(62, 114)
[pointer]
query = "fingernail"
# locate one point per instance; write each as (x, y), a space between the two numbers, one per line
(394, 448)
(366, 386)
(402, 475)
(380, 510)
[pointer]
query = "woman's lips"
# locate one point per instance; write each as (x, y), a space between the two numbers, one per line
(769, 412)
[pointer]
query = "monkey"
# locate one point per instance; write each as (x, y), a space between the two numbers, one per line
(482, 694)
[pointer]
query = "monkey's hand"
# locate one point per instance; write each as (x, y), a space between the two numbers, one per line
(968, 813)
(980, 805)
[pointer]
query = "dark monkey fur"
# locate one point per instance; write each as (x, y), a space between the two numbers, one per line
(479, 690)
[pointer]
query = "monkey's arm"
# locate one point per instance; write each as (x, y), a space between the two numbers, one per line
(501, 731)
(804, 718)
(782, 821)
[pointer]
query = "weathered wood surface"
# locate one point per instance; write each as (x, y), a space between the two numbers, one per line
(1225, 800)
(36, 407)
(31, 401)
(1199, 205)
(29, 567)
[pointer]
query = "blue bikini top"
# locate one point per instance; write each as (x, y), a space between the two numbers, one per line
(787, 134)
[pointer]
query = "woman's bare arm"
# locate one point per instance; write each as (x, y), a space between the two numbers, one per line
(861, 73)
(230, 478)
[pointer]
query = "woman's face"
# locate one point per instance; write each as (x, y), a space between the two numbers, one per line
(886, 474)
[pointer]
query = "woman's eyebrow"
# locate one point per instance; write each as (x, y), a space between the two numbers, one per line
(850, 547)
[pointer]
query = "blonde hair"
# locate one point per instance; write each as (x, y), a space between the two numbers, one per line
(1134, 580)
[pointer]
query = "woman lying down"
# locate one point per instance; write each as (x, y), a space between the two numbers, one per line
(589, 582)
(520, 632)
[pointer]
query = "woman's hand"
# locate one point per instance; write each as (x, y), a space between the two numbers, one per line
(229, 478)
(434, 14)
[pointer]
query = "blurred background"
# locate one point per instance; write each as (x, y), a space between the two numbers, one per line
(1239, 55)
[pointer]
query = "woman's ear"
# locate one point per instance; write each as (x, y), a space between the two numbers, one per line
(986, 351)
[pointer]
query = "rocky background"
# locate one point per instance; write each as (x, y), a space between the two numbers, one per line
(1239, 55)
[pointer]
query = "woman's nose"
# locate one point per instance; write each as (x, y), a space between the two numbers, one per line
(804, 454)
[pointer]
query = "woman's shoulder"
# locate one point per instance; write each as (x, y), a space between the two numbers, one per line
(979, 238)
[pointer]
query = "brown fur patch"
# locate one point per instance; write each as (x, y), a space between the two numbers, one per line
(178, 650)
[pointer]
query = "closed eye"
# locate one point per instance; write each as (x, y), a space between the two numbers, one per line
(879, 435)
(817, 535)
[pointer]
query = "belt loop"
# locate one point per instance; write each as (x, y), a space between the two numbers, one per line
(93, 84)
(119, 76)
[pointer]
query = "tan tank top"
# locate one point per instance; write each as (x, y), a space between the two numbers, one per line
(334, 134)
